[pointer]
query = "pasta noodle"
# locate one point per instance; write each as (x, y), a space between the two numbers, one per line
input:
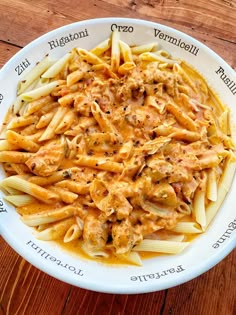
(55, 231)
(56, 67)
(39, 92)
(120, 150)
(170, 247)
(34, 74)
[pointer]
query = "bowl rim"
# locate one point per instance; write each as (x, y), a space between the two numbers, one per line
(108, 288)
(117, 19)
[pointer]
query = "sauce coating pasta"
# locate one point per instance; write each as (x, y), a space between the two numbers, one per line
(117, 150)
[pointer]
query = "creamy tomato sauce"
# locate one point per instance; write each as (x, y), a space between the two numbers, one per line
(118, 154)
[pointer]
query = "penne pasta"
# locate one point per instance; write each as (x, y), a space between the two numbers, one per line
(126, 150)
(211, 189)
(89, 56)
(54, 178)
(50, 130)
(185, 76)
(176, 238)
(39, 92)
(94, 253)
(105, 67)
(101, 119)
(56, 231)
(74, 77)
(65, 123)
(20, 169)
(56, 67)
(184, 208)
(14, 156)
(34, 74)
(19, 122)
(99, 163)
(185, 135)
(49, 216)
(199, 210)
(224, 122)
(29, 188)
(115, 51)
(126, 67)
(66, 196)
(44, 120)
(18, 104)
(19, 200)
(163, 53)
(126, 52)
(159, 210)
(21, 141)
(222, 190)
(75, 187)
(138, 50)
(132, 258)
(6, 146)
(38, 104)
(73, 233)
(101, 47)
(118, 150)
(67, 99)
(149, 56)
(168, 247)
(181, 117)
(187, 227)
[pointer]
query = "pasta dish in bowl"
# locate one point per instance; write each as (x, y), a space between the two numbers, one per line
(116, 150)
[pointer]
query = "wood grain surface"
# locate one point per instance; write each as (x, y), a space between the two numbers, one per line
(26, 290)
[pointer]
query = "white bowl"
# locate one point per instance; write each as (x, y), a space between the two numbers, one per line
(156, 273)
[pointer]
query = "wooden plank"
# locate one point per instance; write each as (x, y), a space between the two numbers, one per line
(25, 290)
(6, 52)
(20, 279)
(218, 33)
(112, 304)
(25, 287)
(29, 23)
(188, 14)
(212, 293)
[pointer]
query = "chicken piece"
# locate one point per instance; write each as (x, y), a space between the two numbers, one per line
(144, 223)
(48, 158)
(131, 87)
(82, 104)
(181, 174)
(169, 223)
(158, 169)
(95, 233)
(154, 75)
(133, 165)
(122, 235)
(189, 188)
(152, 146)
(165, 194)
(119, 204)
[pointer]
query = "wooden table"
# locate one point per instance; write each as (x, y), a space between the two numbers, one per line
(26, 290)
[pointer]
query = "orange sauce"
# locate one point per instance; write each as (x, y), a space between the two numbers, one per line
(74, 247)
